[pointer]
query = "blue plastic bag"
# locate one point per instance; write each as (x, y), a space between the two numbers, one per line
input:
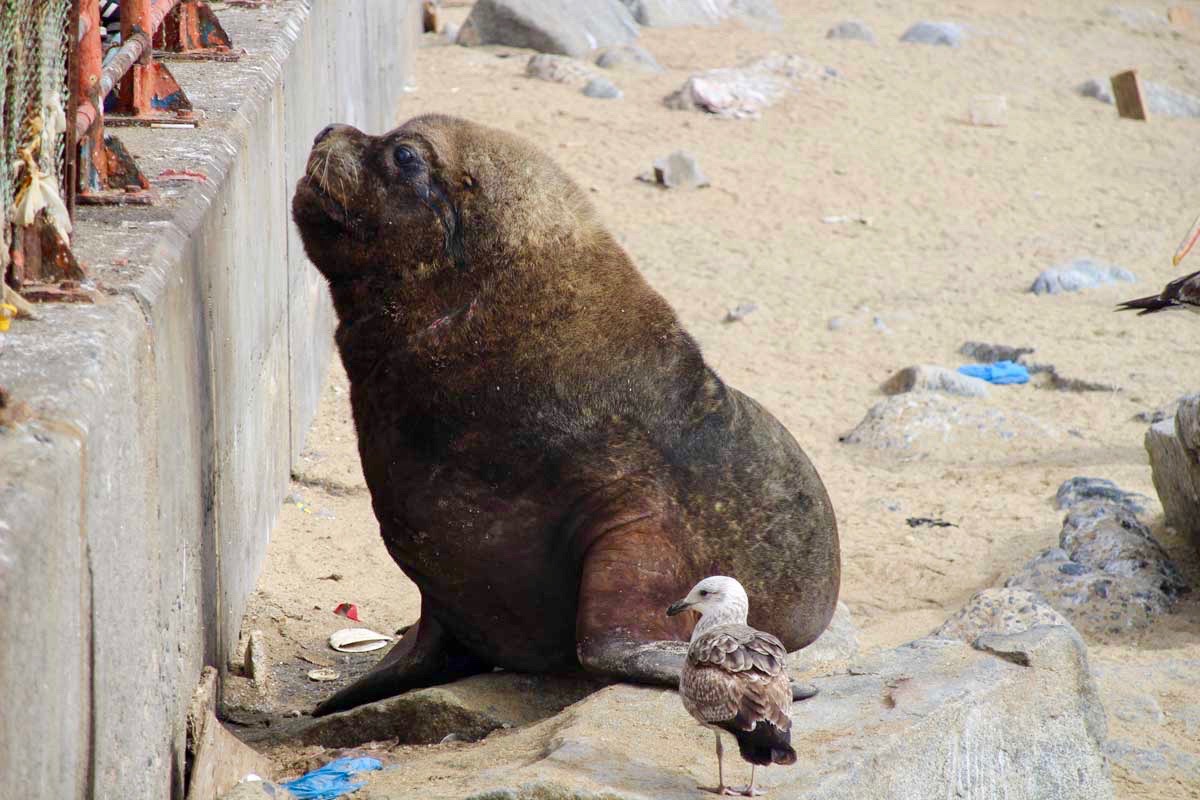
(998, 372)
(331, 780)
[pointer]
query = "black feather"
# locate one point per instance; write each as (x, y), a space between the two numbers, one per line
(764, 745)
(1147, 305)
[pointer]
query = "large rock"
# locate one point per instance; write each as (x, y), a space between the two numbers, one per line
(926, 378)
(999, 611)
(922, 423)
(628, 57)
(1174, 448)
(470, 709)
(1080, 489)
(567, 27)
(936, 718)
(674, 13)
(1108, 575)
(743, 92)
(946, 34)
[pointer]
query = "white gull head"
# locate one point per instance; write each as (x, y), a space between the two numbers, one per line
(720, 601)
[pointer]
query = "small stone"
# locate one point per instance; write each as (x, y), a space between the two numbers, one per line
(558, 69)
(255, 666)
(947, 34)
(740, 312)
(925, 378)
(851, 29)
(628, 57)
(603, 89)
(836, 323)
(743, 92)
(1082, 273)
(988, 111)
(680, 170)
(1074, 491)
(323, 674)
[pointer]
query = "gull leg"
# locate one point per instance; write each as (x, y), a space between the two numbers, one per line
(751, 790)
(721, 788)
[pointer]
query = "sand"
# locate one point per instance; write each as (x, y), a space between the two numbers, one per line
(959, 221)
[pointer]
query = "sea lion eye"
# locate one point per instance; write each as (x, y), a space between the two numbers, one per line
(404, 155)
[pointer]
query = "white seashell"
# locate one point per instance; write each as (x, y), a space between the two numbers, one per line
(323, 674)
(357, 640)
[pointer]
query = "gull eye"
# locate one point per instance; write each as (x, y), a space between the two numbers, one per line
(404, 155)
(704, 592)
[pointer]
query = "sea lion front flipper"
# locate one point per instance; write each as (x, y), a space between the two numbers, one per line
(631, 573)
(426, 655)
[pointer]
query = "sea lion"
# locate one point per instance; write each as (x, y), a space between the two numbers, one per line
(550, 459)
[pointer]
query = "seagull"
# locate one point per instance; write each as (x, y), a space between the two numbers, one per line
(734, 680)
(1180, 293)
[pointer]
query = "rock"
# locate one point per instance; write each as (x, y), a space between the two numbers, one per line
(256, 667)
(837, 644)
(743, 92)
(926, 378)
(1161, 100)
(675, 13)
(935, 718)
(471, 708)
(1162, 763)
(1158, 414)
(851, 29)
(927, 423)
(680, 170)
(999, 611)
(1074, 491)
(559, 69)
(1174, 448)
(988, 111)
(1137, 707)
(986, 353)
(566, 27)
(255, 790)
(628, 57)
(602, 89)
(1109, 575)
(740, 312)
(948, 34)
(1082, 273)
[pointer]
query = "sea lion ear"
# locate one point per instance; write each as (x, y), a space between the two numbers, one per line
(468, 181)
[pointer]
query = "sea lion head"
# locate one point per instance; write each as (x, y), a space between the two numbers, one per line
(436, 194)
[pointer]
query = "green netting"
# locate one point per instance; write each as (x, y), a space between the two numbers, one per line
(33, 60)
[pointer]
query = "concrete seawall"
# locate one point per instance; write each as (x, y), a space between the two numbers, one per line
(136, 504)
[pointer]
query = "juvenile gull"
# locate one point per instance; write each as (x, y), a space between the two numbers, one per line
(1180, 293)
(734, 679)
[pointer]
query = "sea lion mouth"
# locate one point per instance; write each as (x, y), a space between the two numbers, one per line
(329, 205)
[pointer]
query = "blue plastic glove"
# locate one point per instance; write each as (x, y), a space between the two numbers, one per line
(331, 780)
(999, 372)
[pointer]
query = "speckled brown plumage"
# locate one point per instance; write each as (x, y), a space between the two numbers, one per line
(734, 678)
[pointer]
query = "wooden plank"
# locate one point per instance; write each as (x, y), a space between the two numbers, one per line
(1127, 92)
(218, 758)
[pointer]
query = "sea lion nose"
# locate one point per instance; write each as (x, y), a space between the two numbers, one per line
(328, 129)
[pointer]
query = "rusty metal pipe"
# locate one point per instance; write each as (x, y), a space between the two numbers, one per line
(136, 47)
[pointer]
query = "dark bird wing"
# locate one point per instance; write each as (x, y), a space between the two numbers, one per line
(735, 678)
(1180, 293)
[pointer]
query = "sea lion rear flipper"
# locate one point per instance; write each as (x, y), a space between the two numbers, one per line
(426, 655)
(622, 629)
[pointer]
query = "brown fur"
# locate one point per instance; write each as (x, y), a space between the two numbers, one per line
(550, 459)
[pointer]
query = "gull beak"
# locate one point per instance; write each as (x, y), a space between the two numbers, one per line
(682, 605)
(1189, 241)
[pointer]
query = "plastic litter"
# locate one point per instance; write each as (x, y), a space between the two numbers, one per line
(357, 640)
(347, 610)
(997, 372)
(332, 780)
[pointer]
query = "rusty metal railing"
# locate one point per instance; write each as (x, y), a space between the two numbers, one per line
(132, 86)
